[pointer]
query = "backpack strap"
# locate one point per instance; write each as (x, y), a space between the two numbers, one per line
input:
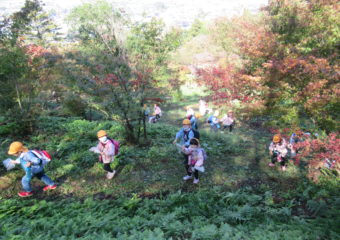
(186, 134)
(38, 155)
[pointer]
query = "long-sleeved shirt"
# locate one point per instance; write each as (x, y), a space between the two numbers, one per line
(196, 157)
(158, 111)
(227, 121)
(26, 157)
(184, 137)
(107, 151)
(280, 147)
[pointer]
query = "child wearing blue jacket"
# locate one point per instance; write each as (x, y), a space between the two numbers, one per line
(184, 136)
(32, 166)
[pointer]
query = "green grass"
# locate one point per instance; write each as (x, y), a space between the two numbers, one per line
(204, 214)
(238, 196)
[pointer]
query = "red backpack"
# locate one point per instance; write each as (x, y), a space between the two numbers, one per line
(43, 155)
(116, 144)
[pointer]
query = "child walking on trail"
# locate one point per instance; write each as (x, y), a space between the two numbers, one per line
(228, 121)
(107, 151)
(214, 121)
(195, 160)
(157, 113)
(33, 167)
(184, 136)
(278, 151)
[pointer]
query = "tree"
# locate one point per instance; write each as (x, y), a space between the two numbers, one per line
(303, 72)
(22, 63)
(117, 69)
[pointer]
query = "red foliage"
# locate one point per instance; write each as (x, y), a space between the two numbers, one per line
(35, 51)
(227, 84)
(320, 153)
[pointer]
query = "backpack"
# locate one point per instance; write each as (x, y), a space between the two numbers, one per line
(116, 144)
(205, 156)
(43, 155)
(196, 133)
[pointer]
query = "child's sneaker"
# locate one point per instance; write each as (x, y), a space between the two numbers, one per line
(196, 181)
(110, 175)
(25, 194)
(187, 177)
(271, 164)
(48, 187)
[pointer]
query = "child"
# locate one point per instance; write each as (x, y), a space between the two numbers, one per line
(228, 121)
(184, 135)
(190, 112)
(296, 137)
(202, 107)
(195, 160)
(32, 166)
(193, 122)
(156, 114)
(146, 110)
(157, 111)
(106, 150)
(214, 121)
(278, 151)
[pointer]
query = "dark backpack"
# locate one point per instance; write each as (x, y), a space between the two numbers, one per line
(196, 134)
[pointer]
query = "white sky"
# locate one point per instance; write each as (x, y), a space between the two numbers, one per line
(173, 12)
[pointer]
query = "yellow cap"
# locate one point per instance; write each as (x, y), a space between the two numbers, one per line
(101, 133)
(16, 147)
(276, 138)
(186, 122)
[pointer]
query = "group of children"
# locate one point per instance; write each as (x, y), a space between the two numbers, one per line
(32, 161)
(227, 121)
(187, 138)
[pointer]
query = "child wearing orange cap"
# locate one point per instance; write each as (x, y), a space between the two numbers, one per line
(106, 150)
(33, 167)
(278, 151)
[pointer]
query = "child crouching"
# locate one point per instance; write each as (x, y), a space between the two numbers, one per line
(196, 157)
